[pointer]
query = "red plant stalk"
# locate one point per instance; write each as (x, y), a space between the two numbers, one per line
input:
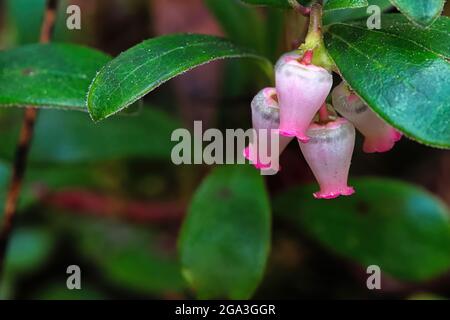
(22, 150)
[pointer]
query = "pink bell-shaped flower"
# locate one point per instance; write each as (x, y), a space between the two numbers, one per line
(302, 89)
(329, 153)
(379, 136)
(266, 120)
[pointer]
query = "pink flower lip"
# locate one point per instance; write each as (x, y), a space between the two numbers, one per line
(292, 133)
(257, 164)
(348, 191)
(382, 144)
(379, 135)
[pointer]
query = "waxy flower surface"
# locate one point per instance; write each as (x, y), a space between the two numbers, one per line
(266, 120)
(302, 88)
(329, 153)
(379, 136)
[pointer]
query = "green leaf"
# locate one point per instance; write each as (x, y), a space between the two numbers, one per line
(242, 24)
(399, 227)
(225, 238)
(146, 66)
(25, 17)
(28, 250)
(127, 256)
(331, 5)
(334, 16)
(72, 136)
(401, 71)
(422, 12)
(57, 290)
(52, 75)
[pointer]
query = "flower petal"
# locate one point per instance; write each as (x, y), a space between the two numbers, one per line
(265, 118)
(302, 90)
(329, 153)
(379, 136)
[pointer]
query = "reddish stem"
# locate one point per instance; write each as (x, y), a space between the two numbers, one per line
(299, 8)
(91, 203)
(22, 149)
(307, 58)
(323, 113)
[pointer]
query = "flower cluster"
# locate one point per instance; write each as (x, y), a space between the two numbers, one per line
(297, 108)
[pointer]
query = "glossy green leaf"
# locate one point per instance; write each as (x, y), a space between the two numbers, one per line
(146, 66)
(72, 136)
(399, 227)
(225, 238)
(334, 16)
(422, 12)
(54, 75)
(344, 4)
(401, 71)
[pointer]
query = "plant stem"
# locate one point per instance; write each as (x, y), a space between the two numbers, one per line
(315, 22)
(314, 40)
(299, 8)
(307, 58)
(22, 149)
(314, 36)
(296, 27)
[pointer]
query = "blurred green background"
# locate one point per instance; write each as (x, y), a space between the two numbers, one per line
(107, 198)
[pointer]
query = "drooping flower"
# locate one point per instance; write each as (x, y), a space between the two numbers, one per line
(329, 153)
(266, 120)
(379, 136)
(302, 89)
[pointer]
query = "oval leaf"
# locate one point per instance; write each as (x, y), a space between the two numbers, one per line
(225, 238)
(401, 71)
(422, 12)
(351, 14)
(29, 249)
(128, 256)
(146, 66)
(25, 17)
(407, 234)
(344, 4)
(48, 75)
